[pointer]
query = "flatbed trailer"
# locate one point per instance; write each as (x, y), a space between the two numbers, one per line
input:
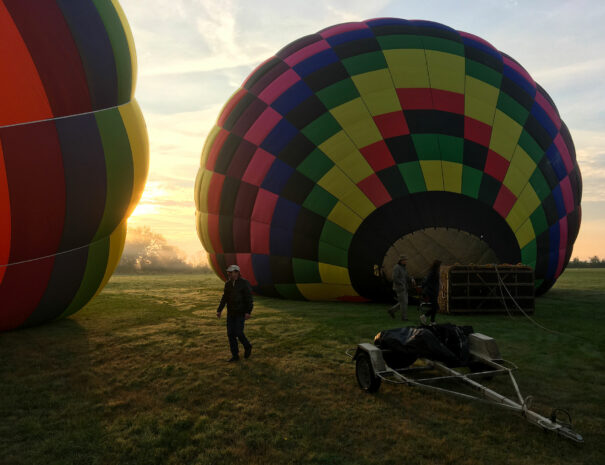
(371, 369)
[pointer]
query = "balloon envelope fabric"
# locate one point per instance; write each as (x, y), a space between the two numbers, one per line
(73, 153)
(371, 139)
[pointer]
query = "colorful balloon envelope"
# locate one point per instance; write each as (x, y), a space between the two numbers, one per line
(73, 153)
(372, 139)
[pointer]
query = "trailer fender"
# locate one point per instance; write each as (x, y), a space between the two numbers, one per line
(483, 347)
(375, 355)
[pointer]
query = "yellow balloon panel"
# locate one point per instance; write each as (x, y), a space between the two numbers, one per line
(480, 100)
(320, 291)
(505, 135)
(408, 68)
(446, 71)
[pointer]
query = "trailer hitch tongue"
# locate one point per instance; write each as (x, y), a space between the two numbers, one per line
(564, 428)
(527, 403)
(554, 419)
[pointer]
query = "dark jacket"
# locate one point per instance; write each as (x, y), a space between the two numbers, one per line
(237, 296)
(430, 285)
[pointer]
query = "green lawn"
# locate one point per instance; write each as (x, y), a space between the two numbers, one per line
(139, 377)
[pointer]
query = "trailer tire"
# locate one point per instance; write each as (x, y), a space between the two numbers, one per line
(364, 371)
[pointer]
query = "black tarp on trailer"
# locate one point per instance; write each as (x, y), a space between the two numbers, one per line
(445, 343)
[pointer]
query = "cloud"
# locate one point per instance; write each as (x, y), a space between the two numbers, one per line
(218, 27)
(590, 153)
(572, 71)
(193, 54)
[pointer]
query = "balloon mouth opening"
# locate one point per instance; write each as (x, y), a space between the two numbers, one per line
(451, 246)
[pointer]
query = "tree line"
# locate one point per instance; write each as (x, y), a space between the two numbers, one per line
(149, 252)
(593, 262)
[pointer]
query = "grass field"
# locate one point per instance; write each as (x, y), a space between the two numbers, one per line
(139, 377)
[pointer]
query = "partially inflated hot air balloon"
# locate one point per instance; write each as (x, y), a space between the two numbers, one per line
(73, 153)
(369, 139)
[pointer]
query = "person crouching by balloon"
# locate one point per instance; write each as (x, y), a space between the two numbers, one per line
(430, 291)
(237, 295)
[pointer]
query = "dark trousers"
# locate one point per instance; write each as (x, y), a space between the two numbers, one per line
(235, 331)
(432, 311)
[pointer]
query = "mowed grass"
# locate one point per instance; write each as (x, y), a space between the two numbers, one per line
(140, 377)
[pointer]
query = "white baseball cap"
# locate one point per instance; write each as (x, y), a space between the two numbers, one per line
(233, 268)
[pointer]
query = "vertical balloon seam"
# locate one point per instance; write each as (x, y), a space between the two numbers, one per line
(119, 169)
(355, 140)
(344, 129)
(21, 291)
(96, 264)
(117, 241)
(64, 281)
(67, 92)
(50, 121)
(85, 180)
(204, 231)
(498, 108)
(31, 100)
(326, 267)
(197, 187)
(133, 122)
(95, 50)
(123, 46)
(5, 213)
(535, 177)
(394, 86)
(92, 281)
(131, 46)
(430, 88)
(26, 174)
(426, 158)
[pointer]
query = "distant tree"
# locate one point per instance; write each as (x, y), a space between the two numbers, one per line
(146, 251)
(575, 263)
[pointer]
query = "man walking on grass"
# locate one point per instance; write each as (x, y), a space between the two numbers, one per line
(238, 298)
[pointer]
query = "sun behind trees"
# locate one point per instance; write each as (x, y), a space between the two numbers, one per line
(149, 252)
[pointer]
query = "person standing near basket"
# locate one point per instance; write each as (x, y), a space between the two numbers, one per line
(237, 296)
(400, 286)
(430, 290)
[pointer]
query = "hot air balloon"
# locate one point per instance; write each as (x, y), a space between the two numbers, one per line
(369, 139)
(73, 154)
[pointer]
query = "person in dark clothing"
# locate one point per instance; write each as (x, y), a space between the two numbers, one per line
(237, 295)
(401, 283)
(430, 290)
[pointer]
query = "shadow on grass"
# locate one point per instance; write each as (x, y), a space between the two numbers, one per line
(47, 401)
(139, 376)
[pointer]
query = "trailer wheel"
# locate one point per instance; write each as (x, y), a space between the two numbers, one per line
(364, 372)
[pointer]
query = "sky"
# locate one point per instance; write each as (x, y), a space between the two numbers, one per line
(194, 54)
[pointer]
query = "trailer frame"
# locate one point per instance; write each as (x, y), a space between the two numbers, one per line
(371, 369)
